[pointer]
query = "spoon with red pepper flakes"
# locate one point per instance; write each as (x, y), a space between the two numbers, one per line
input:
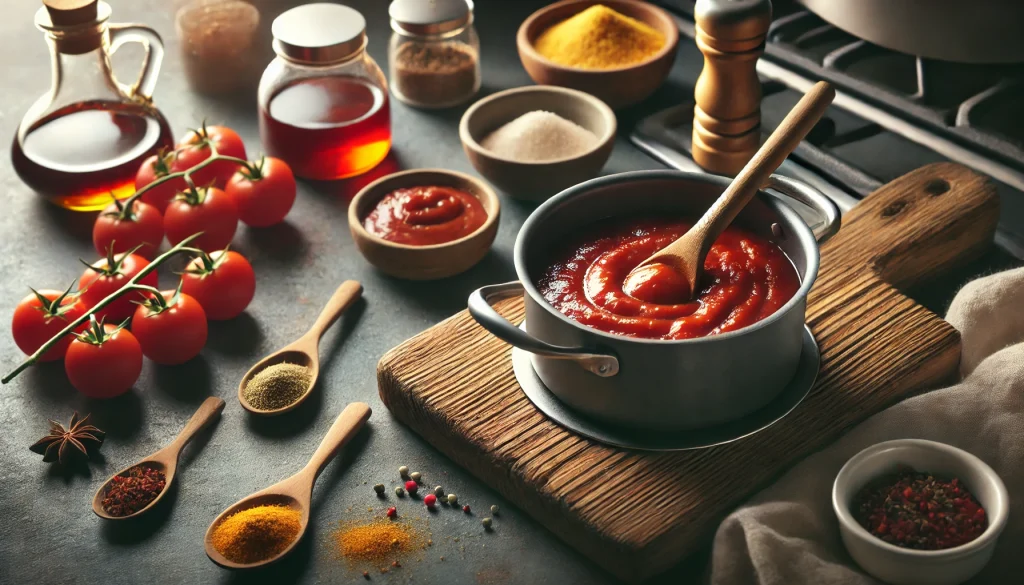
(136, 489)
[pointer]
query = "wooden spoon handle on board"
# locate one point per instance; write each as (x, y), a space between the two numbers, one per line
(208, 411)
(346, 294)
(687, 253)
(348, 423)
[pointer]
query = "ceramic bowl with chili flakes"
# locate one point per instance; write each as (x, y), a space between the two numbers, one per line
(919, 512)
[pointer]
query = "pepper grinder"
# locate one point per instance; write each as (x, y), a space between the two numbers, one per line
(727, 114)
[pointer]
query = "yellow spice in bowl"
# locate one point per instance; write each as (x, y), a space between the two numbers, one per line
(599, 38)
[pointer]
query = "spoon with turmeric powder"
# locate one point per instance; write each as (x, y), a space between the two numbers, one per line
(265, 526)
(284, 379)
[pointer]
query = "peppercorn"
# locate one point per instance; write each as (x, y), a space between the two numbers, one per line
(392, 512)
(466, 508)
(415, 476)
(486, 522)
(395, 564)
(430, 500)
(366, 575)
(453, 499)
(399, 491)
(494, 509)
(379, 488)
(403, 471)
(411, 487)
(439, 492)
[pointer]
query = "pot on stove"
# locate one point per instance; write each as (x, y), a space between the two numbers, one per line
(661, 385)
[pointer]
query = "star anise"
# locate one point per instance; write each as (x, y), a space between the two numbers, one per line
(62, 444)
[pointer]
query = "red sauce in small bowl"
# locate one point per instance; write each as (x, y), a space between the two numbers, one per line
(422, 216)
(746, 278)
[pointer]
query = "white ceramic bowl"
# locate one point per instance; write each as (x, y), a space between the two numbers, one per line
(901, 566)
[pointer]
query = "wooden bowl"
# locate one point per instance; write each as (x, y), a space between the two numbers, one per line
(424, 262)
(619, 87)
(536, 181)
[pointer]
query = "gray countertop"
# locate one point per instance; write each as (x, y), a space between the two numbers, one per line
(48, 533)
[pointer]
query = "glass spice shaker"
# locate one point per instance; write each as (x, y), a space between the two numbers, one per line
(218, 39)
(324, 106)
(434, 55)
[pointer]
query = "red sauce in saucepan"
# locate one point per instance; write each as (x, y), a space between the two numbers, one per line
(422, 216)
(746, 279)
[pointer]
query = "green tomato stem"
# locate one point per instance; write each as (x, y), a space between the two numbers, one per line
(187, 174)
(132, 284)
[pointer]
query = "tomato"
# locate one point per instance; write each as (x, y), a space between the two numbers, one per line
(207, 210)
(195, 148)
(170, 332)
(121, 228)
(40, 316)
(155, 167)
(104, 361)
(264, 192)
(109, 275)
(223, 283)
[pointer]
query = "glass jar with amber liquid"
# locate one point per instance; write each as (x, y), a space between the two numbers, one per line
(84, 140)
(323, 101)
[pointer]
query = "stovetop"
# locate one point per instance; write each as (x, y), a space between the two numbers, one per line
(893, 113)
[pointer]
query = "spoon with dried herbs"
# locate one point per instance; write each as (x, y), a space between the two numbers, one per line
(284, 379)
(136, 489)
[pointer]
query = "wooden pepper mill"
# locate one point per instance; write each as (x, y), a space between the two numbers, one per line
(727, 115)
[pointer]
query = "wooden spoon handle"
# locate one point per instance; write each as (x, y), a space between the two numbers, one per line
(342, 298)
(208, 411)
(344, 428)
(800, 120)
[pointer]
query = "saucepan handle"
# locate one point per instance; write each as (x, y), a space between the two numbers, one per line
(602, 364)
(816, 200)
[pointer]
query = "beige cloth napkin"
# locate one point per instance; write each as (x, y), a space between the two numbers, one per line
(788, 534)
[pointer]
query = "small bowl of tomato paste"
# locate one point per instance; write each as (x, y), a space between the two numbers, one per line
(424, 224)
(919, 512)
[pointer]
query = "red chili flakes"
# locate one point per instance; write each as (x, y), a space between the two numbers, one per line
(133, 491)
(919, 511)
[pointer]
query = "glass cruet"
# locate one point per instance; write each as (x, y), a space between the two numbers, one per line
(84, 140)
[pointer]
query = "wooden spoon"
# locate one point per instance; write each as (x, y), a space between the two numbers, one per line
(165, 460)
(296, 491)
(305, 351)
(686, 254)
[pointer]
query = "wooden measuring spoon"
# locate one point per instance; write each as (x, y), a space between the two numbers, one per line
(165, 460)
(305, 351)
(685, 256)
(296, 491)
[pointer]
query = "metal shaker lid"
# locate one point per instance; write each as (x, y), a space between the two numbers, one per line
(319, 33)
(733, 20)
(430, 17)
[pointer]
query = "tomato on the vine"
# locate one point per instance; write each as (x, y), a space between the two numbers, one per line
(194, 148)
(264, 191)
(108, 275)
(171, 328)
(121, 228)
(156, 167)
(223, 282)
(207, 210)
(104, 361)
(40, 316)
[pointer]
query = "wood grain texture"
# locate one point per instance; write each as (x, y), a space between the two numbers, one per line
(454, 385)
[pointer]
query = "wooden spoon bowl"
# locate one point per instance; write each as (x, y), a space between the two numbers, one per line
(165, 460)
(304, 351)
(296, 491)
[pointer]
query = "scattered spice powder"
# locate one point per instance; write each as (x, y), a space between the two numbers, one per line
(277, 386)
(435, 74)
(257, 534)
(376, 541)
(133, 491)
(599, 38)
(919, 511)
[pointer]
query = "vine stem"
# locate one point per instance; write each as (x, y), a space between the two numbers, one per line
(131, 285)
(186, 174)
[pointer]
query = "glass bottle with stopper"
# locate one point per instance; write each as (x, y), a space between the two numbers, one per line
(85, 138)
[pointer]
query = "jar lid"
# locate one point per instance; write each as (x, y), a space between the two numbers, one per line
(430, 17)
(319, 33)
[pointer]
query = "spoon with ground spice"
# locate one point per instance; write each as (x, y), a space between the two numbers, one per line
(281, 381)
(265, 526)
(137, 489)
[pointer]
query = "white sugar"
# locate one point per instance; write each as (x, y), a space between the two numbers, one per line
(538, 137)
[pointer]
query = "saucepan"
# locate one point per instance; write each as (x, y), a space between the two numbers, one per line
(662, 385)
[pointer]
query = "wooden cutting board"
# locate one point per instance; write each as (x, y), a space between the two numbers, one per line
(637, 514)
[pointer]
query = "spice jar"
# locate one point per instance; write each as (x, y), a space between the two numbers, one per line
(323, 100)
(434, 55)
(218, 43)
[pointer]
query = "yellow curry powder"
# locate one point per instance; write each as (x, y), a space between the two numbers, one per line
(256, 534)
(599, 38)
(376, 541)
